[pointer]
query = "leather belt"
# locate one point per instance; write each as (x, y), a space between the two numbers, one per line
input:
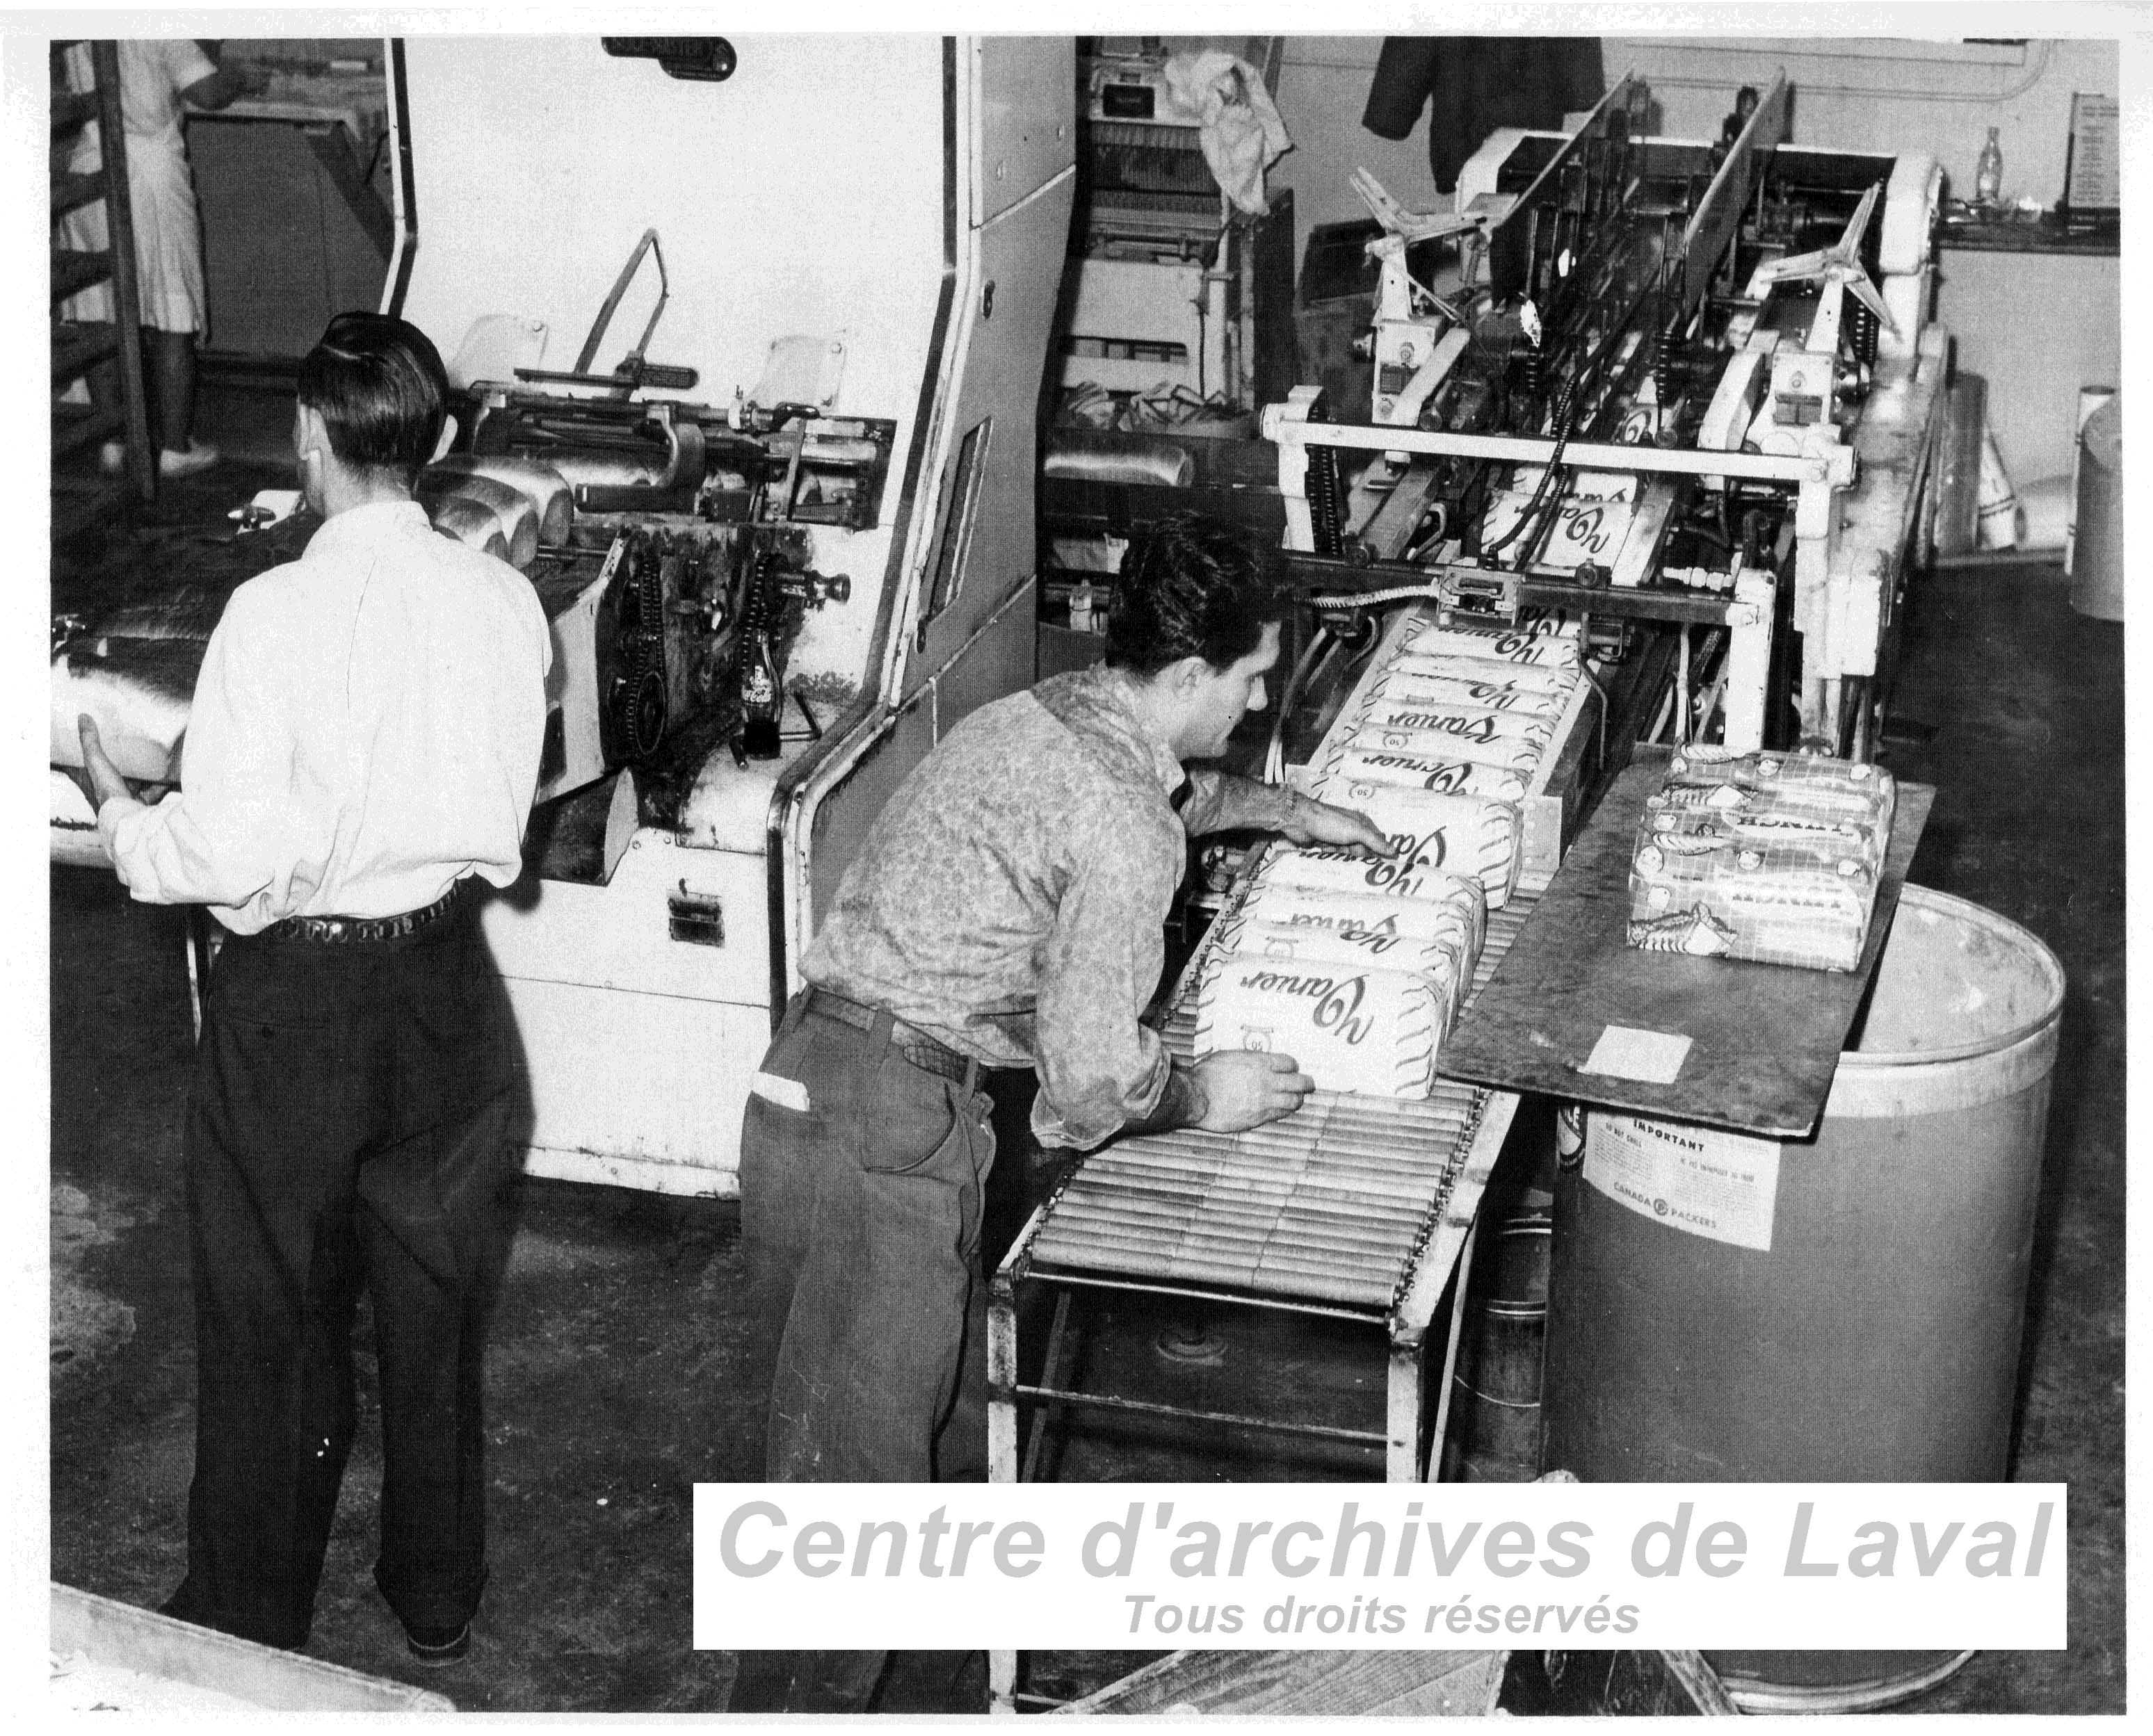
(348, 931)
(914, 1045)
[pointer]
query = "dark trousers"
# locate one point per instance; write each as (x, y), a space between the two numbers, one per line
(353, 1126)
(861, 1218)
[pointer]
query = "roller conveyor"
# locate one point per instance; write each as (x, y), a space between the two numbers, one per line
(1366, 1181)
(1358, 1208)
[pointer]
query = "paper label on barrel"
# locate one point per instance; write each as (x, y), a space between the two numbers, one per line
(1719, 1185)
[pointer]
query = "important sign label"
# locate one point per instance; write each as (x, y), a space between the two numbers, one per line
(1719, 1185)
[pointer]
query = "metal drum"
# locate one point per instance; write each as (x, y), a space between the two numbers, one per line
(1495, 1434)
(1876, 1337)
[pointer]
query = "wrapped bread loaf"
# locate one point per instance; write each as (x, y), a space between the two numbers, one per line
(1423, 638)
(1400, 702)
(1446, 963)
(1374, 1031)
(1803, 780)
(1438, 905)
(1825, 836)
(1557, 680)
(1416, 729)
(511, 508)
(1324, 870)
(1438, 835)
(1532, 623)
(538, 482)
(1770, 857)
(1416, 761)
(1496, 693)
(468, 521)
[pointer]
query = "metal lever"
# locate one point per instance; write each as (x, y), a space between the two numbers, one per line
(633, 371)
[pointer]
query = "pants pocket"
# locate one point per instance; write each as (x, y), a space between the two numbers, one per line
(911, 1117)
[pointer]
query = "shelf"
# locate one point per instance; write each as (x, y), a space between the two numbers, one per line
(2047, 235)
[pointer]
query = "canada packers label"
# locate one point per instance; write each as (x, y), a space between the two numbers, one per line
(1723, 1186)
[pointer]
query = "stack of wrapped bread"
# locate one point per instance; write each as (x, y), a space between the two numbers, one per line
(1358, 965)
(1773, 857)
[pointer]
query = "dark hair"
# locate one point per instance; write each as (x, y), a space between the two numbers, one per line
(381, 390)
(1191, 586)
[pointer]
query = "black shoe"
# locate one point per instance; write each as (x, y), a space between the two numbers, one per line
(439, 1645)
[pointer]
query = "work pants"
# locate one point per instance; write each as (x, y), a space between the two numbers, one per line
(861, 1218)
(355, 1125)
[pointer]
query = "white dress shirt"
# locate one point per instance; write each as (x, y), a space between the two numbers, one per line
(365, 732)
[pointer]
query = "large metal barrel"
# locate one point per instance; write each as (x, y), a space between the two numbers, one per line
(1494, 1432)
(1875, 1336)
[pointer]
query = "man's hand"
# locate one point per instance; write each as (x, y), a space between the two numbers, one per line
(101, 774)
(1314, 822)
(1243, 1088)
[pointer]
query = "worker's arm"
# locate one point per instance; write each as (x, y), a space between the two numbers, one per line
(1221, 802)
(1101, 1071)
(216, 841)
(224, 85)
(1229, 1092)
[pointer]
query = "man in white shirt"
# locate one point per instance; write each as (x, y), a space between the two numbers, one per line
(365, 738)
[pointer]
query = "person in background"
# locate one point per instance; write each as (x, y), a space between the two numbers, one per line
(1005, 909)
(157, 80)
(364, 740)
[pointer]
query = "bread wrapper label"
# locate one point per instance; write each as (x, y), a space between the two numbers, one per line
(1374, 1031)
(1441, 906)
(1409, 699)
(1423, 729)
(1416, 761)
(1436, 834)
(1423, 638)
(1470, 692)
(1445, 962)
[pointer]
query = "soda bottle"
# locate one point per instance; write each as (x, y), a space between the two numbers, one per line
(1988, 172)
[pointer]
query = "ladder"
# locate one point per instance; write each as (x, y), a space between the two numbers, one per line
(78, 498)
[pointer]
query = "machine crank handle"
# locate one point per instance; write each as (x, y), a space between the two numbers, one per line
(815, 590)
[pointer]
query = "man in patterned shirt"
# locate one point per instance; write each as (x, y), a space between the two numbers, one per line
(1006, 910)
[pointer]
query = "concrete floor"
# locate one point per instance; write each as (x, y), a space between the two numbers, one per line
(613, 1374)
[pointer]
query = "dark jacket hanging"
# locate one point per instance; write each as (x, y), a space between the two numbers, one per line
(1474, 84)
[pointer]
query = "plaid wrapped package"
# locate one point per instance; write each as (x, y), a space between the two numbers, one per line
(1765, 857)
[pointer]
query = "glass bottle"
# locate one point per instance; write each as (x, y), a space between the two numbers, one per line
(1988, 172)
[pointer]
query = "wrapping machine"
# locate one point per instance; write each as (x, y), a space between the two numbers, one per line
(777, 506)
